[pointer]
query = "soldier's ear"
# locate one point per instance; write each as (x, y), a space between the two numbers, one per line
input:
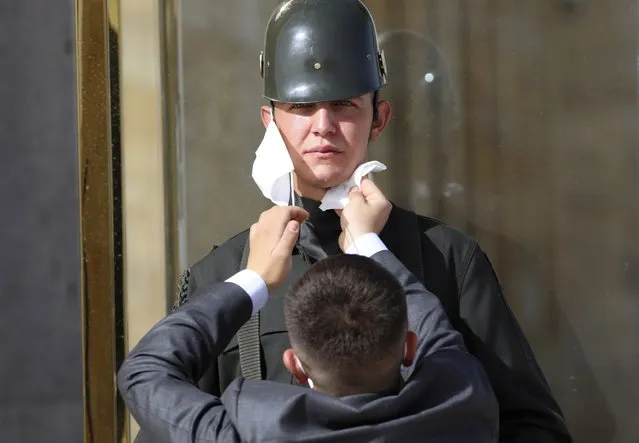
(384, 114)
(265, 114)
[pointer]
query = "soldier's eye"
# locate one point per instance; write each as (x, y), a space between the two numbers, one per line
(301, 105)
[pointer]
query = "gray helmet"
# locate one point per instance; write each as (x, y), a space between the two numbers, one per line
(321, 50)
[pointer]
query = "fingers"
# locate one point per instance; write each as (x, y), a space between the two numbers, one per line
(298, 214)
(280, 215)
(356, 194)
(288, 239)
(367, 190)
(370, 189)
(273, 224)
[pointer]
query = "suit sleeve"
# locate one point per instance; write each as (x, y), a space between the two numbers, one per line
(528, 411)
(458, 379)
(426, 316)
(158, 380)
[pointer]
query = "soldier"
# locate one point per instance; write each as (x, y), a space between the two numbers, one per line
(322, 72)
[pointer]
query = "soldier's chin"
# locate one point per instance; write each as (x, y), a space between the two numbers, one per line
(328, 177)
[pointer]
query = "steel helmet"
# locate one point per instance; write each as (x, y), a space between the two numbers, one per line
(321, 50)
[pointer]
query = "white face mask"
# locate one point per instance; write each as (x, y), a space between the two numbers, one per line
(301, 369)
(273, 167)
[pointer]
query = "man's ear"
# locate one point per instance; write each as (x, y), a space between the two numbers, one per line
(265, 114)
(290, 362)
(410, 348)
(384, 114)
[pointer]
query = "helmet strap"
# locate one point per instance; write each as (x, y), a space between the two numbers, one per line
(375, 108)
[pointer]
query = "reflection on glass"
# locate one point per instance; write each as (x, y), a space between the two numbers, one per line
(514, 123)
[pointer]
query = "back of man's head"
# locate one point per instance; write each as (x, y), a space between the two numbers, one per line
(347, 322)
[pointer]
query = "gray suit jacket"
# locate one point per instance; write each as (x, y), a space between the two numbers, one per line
(446, 397)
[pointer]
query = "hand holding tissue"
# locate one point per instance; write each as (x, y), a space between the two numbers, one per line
(337, 197)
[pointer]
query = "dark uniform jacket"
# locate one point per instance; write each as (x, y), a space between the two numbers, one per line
(450, 265)
(446, 398)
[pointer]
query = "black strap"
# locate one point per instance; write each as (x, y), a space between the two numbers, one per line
(248, 338)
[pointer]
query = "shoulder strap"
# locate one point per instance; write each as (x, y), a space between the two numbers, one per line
(182, 294)
(248, 337)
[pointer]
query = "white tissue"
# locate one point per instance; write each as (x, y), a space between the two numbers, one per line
(272, 167)
(337, 197)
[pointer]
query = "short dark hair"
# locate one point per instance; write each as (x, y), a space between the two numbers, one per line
(347, 319)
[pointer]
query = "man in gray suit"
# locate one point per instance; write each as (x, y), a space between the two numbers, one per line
(353, 322)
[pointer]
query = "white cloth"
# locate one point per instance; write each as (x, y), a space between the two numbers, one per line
(366, 245)
(273, 165)
(253, 285)
(337, 197)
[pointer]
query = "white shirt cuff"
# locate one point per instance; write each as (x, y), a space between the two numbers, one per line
(366, 245)
(253, 285)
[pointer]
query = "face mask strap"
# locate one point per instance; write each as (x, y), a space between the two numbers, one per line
(301, 369)
(290, 175)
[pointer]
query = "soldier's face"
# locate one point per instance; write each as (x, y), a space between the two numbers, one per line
(327, 141)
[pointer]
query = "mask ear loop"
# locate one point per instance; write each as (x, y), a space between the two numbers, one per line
(301, 369)
(290, 175)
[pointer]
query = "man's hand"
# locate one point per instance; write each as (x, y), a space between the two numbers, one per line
(271, 242)
(367, 211)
